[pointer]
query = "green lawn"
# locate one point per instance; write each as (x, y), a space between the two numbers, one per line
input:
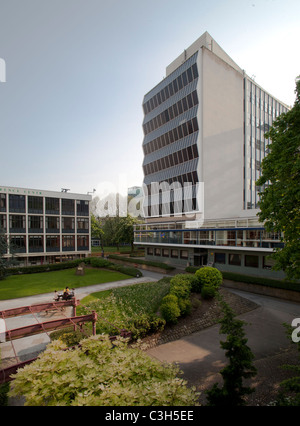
(30, 284)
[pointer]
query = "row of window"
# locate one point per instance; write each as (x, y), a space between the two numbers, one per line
(17, 223)
(170, 209)
(250, 260)
(173, 135)
(171, 160)
(17, 204)
(172, 112)
(181, 81)
(36, 243)
(174, 253)
(191, 178)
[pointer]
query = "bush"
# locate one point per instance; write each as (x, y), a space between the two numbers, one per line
(185, 306)
(208, 292)
(209, 277)
(146, 324)
(98, 262)
(170, 309)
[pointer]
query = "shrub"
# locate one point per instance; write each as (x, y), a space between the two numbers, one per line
(209, 276)
(180, 287)
(99, 262)
(99, 374)
(185, 306)
(170, 309)
(208, 292)
(146, 324)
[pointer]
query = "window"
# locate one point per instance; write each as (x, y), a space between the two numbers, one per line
(68, 243)
(174, 253)
(17, 203)
(52, 224)
(35, 204)
(165, 253)
(68, 224)
(18, 244)
(251, 261)
(82, 242)
(52, 205)
(184, 254)
(220, 258)
(36, 243)
(17, 223)
(235, 259)
(150, 251)
(52, 243)
(82, 208)
(35, 223)
(268, 262)
(2, 202)
(82, 225)
(157, 252)
(67, 207)
(2, 222)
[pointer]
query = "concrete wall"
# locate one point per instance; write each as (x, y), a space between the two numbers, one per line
(223, 137)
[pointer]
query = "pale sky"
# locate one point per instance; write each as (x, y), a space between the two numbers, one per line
(77, 71)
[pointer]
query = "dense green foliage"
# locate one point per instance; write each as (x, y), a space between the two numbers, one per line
(240, 363)
(209, 279)
(132, 308)
(100, 374)
(280, 182)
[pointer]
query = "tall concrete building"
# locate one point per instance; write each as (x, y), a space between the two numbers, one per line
(204, 127)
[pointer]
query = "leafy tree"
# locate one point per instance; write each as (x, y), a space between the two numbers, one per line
(280, 199)
(96, 229)
(5, 262)
(125, 233)
(240, 363)
(100, 373)
(289, 394)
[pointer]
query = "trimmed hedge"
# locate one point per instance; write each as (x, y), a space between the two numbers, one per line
(269, 282)
(142, 262)
(285, 285)
(95, 262)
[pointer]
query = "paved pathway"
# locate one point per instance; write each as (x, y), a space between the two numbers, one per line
(199, 355)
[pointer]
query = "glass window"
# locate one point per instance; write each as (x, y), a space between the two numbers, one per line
(17, 223)
(67, 207)
(35, 224)
(174, 253)
(17, 203)
(235, 259)
(184, 79)
(190, 75)
(68, 243)
(220, 258)
(183, 254)
(35, 204)
(150, 251)
(157, 252)
(251, 261)
(52, 223)
(68, 224)
(2, 202)
(2, 222)
(52, 205)
(82, 208)
(36, 243)
(195, 71)
(165, 252)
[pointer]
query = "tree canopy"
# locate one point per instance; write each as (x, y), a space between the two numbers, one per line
(280, 198)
